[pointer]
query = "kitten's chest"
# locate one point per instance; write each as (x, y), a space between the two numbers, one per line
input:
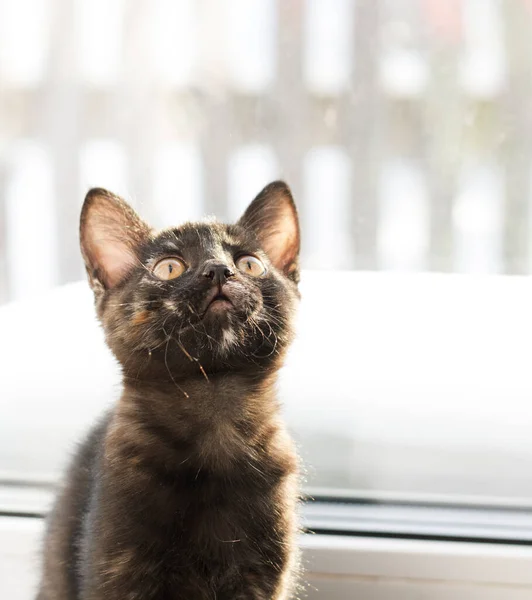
(224, 523)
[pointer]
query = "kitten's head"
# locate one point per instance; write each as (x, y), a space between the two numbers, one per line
(196, 299)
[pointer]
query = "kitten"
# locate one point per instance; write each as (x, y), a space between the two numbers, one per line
(187, 489)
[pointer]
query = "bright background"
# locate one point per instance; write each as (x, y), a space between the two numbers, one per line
(403, 126)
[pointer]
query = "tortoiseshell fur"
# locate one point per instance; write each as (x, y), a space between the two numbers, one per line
(187, 489)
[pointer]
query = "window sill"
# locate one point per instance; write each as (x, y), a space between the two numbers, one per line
(339, 567)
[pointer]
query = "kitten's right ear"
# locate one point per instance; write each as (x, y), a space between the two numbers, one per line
(272, 216)
(111, 234)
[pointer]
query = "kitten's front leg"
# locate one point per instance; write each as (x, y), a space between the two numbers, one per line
(134, 589)
(124, 574)
(255, 594)
(253, 588)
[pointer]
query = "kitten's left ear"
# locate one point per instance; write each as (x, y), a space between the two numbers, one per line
(272, 217)
(111, 234)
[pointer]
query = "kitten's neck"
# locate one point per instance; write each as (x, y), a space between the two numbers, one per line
(219, 391)
(224, 416)
(234, 404)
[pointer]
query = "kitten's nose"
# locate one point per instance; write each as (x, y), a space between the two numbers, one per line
(217, 273)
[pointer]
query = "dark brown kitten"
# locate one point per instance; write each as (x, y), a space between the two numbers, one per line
(188, 488)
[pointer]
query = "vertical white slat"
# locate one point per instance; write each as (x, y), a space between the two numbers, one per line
(30, 221)
(100, 29)
(177, 185)
(478, 220)
(24, 41)
(403, 64)
(251, 167)
(251, 38)
(327, 237)
(103, 164)
(212, 42)
(328, 47)
(403, 228)
(403, 73)
(530, 222)
(483, 64)
(174, 37)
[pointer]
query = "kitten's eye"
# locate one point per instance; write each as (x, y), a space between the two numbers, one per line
(169, 268)
(250, 266)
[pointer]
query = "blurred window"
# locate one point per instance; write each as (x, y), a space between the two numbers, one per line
(404, 129)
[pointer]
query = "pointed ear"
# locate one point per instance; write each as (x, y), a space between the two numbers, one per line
(111, 234)
(272, 217)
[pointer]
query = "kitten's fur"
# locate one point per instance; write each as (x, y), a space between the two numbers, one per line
(187, 490)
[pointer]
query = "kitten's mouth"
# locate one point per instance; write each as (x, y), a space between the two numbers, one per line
(217, 301)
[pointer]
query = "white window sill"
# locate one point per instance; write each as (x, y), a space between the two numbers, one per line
(345, 567)
(339, 567)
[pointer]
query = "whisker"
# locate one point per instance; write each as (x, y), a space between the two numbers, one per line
(168, 368)
(193, 359)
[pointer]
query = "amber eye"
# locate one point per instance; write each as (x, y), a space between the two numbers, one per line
(250, 266)
(169, 268)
